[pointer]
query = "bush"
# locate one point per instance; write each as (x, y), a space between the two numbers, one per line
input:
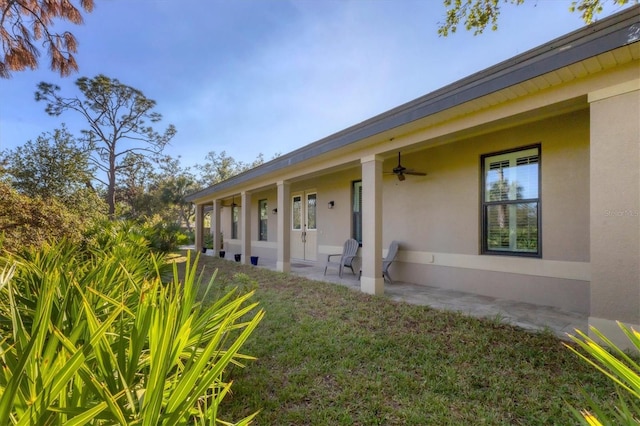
(621, 369)
(95, 336)
(163, 236)
(29, 222)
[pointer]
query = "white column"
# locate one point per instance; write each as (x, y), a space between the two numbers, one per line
(284, 227)
(372, 281)
(245, 221)
(615, 209)
(215, 226)
(199, 225)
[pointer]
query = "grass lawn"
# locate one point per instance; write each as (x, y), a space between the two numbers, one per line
(328, 355)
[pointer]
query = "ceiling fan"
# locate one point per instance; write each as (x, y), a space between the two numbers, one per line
(401, 171)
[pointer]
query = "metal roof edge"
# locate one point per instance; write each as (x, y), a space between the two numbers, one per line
(612, 32)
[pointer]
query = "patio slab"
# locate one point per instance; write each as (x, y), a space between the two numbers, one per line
(525, 315)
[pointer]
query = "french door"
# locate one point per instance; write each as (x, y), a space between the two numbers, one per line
(304, 240)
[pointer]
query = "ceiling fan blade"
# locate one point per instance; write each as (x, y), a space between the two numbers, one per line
(409, 172)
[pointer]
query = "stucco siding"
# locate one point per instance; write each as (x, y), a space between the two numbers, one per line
(562, 293)
(440, 212)
(615, 205)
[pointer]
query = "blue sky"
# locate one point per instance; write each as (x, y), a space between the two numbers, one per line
(270, 76)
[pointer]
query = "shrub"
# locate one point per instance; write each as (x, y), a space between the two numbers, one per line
(620, 368)
(95, 336)
(163, 236)
(29, 222)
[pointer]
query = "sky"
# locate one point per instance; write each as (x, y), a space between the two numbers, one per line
(252, 77)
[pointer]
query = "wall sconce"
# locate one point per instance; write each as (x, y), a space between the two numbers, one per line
(274, 211)
(331, 204)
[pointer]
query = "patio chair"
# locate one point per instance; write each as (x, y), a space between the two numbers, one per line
(347, 257)
(387, 261)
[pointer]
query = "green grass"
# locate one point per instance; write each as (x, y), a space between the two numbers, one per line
(328, 355)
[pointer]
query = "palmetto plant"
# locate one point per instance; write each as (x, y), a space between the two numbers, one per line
(97, 337)
(620, 368)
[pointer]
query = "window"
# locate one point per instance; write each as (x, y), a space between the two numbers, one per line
(296, 212)
(511, 202)
(234, 222)
(311, 211)
(356, 211)
(262, 220)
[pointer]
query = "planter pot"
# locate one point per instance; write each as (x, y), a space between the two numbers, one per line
(204, 249)
(222, 253)
(254, 260)
(238, 257)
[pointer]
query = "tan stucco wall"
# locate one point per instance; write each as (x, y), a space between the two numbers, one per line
(437, 217)
(615, 208)
(440, 212)
(568, 294)
(334, 225)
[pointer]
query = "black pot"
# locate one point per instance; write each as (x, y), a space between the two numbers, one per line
(222, 252)
(254, 260)
(238, 257)
(204, 249)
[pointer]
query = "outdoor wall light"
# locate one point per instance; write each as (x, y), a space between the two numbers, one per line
(331, 204)
(274, 211)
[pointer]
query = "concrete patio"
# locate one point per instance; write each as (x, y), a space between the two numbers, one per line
(525, 315)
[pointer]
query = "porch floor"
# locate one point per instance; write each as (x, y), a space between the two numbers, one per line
(525, 315)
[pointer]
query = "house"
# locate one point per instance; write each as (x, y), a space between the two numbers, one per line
(531, 192)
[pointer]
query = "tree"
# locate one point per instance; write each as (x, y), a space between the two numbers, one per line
(478, 14)
(133, 185)
(116, 115)
(173, 183)
(24, 22)
(221, 167)
(53, 166)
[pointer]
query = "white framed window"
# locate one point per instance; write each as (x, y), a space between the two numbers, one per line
(511, 202)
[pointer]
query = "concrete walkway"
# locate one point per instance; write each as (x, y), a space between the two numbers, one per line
(525, 315)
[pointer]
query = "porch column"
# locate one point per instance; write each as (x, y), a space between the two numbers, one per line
(371, 281)
(199, 225)
(283, 263)
(615, 209)
(215, 226)
(245, 223)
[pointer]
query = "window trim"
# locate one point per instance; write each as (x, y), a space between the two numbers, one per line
(484, 249)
